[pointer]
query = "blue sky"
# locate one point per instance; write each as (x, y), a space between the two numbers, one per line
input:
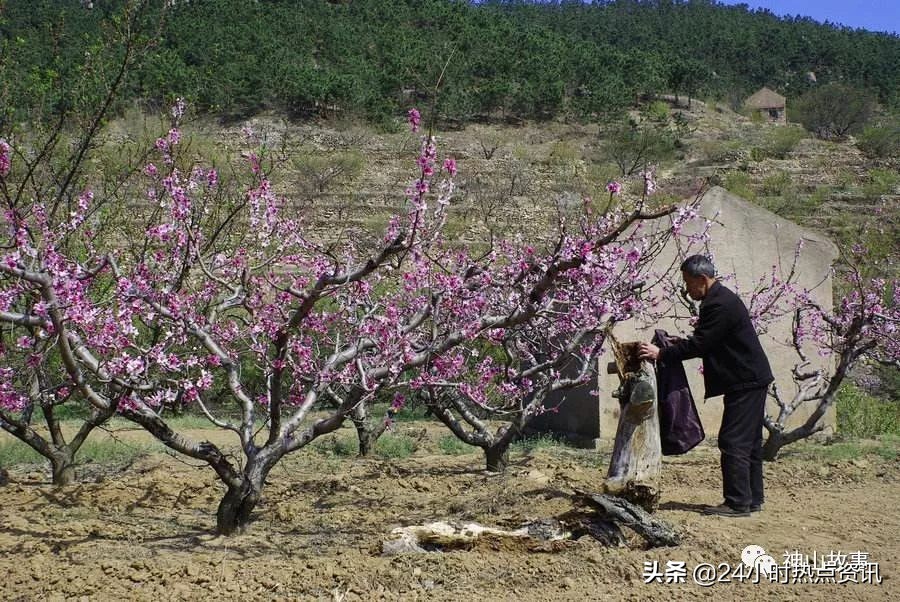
(874, 15)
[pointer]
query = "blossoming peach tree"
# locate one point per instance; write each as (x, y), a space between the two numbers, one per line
(863, 326)
(549, 311)
(237, 312)
(47, 152)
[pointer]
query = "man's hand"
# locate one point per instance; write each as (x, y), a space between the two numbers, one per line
(648, 351)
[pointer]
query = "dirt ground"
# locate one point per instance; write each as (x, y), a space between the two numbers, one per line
(143, 533)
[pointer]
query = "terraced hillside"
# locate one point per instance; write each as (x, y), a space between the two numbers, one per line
(347, 178)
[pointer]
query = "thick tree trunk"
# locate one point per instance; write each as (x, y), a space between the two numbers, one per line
(60, 454)
(240, 500)
(497, 457)
(367, 438)
(772, 446)
(779, 439)
(366, 432)
(63, 465)
(235, 508)
(636, 462)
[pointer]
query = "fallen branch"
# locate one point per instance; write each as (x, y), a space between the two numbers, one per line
(657, 533)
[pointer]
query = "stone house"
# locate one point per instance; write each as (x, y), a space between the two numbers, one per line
(770, 105)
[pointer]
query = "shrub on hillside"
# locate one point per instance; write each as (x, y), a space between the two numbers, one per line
(783, 140)
(833, 111)
(862, 415)
(634, 147)
(738, 182)
(880, 141)
(657, 111)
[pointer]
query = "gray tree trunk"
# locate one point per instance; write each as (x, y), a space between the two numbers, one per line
(367, 430)
(497, 457)
(62, 463)
(239, 501)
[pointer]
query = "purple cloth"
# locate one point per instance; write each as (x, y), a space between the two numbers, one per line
(679, 422)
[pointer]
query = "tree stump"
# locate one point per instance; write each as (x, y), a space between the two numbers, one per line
(636, 463)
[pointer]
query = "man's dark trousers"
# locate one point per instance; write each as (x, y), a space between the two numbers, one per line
(740, 441)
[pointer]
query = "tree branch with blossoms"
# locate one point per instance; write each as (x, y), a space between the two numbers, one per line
(243, 298)
(864, 325)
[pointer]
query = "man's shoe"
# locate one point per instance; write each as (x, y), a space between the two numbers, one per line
(755, 507)
(726, 510)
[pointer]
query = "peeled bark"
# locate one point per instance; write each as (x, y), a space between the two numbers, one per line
(636, 462)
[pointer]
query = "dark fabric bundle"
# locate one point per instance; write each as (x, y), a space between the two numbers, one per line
(679, 422)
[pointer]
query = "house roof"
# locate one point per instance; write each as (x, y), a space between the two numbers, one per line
(765, 98)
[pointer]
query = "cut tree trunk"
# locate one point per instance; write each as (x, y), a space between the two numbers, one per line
(540, 536)
(636, 463)
(601, 522)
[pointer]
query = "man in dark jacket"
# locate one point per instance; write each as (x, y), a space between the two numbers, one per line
(734, 365)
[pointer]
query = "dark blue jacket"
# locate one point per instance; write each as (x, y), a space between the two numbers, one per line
(733, 358)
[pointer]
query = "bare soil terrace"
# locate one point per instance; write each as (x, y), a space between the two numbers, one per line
(144, 532)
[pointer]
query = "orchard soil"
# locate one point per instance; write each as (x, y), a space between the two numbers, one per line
(144, 531)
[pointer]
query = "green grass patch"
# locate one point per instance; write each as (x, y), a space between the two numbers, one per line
(657, 111)
(818, 197)
(881, 182)
(452, 445)
(782, 140)
(113, 452)
(880, 140)
(886, 447)
(862, 415)
(719, 151)
(197, 421)
(343, 446)
(845, 179)
(889, 449)
(14, 452)
(531, 444)
(395, 446)
(778, 184)
(738, 183)
(66, 411)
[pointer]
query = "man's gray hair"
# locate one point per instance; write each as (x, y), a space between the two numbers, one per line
(698, 265)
